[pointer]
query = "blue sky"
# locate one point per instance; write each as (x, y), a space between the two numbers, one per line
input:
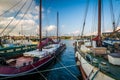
(71, 13)
(71, 16)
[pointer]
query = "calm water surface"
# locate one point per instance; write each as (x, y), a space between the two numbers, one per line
(58, 72)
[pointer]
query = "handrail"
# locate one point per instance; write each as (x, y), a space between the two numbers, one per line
(14, 51)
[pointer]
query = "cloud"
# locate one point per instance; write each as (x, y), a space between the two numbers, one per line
(92, 33)
(27, 25)
(118, 28)
(108, 31)
(76, 33)
(4, 22)
(6, 4)
(51, 28)
(29, 22)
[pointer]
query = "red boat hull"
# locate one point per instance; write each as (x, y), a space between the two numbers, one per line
(13, 71)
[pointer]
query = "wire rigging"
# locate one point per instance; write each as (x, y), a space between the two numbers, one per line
(13, 18)
(112, 15)
(93, 28)
(85, 17)
(21, 17)
(118, 20)
(10, 8)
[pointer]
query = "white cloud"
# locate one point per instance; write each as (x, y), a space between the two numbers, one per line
(118, 28)
(6, 4)
(76, 33)
(92, 33)
(51, 28)
(28, 25)
(5, 21)
(29, 22)
(37, 8)
(27, 16)
(36, 17)
(108, 31)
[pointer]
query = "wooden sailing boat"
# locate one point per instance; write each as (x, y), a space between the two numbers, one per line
(31, 60)
(97, 63)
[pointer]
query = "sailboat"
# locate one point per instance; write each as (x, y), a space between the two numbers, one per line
(47, 50)
(97, 62)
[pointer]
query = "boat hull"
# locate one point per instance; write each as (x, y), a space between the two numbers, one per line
(88, 71)
(13, 71)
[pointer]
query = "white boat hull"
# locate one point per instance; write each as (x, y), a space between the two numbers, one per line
(91, 72)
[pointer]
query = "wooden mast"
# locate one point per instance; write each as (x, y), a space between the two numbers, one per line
(40, 24)
(57, 24)
(99, 23)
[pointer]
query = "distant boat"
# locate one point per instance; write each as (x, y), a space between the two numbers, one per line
(47, 50)
(98, 62)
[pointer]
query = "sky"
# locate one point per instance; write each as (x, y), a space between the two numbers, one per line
(71, 17)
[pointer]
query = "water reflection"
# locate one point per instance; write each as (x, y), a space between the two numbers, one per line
(64, 59)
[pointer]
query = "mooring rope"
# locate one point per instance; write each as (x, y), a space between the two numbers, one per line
(39, 71)
(67, 69)
(58, 68)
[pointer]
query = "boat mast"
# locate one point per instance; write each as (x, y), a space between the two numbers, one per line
(40, 24)
(57, 24)
(99, 23)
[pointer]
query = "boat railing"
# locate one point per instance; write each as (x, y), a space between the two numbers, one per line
(14, 51)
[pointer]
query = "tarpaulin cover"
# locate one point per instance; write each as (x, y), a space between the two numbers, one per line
(45, 42)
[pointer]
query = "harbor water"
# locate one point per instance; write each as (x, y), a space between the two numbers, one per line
(63, 67)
